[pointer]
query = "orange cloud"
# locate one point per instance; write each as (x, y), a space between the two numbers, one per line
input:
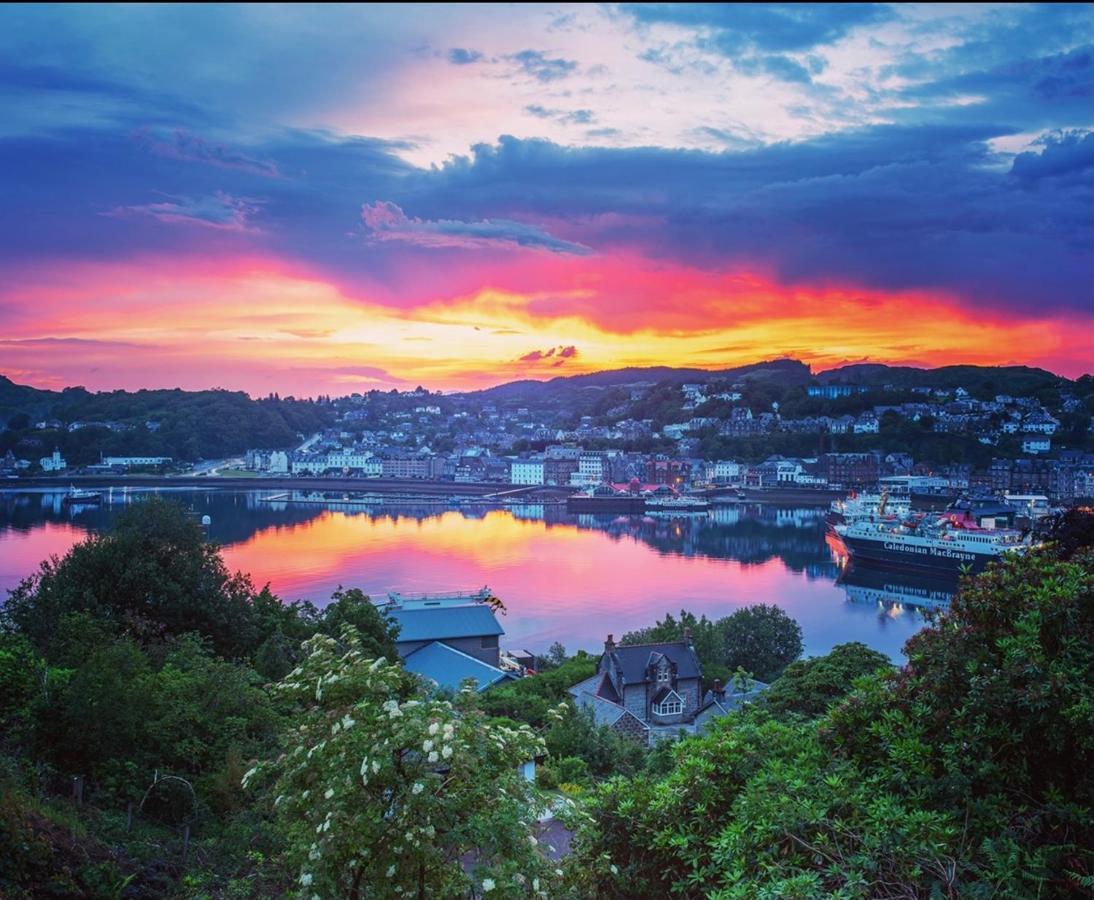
(263, 324)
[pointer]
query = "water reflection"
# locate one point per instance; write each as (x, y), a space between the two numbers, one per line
(573, 578)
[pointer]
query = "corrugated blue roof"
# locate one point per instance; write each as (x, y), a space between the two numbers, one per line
(448, 666)
(438, 623)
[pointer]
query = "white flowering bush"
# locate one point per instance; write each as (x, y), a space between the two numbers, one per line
(382, 791)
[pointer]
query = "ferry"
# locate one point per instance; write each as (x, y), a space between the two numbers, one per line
(77, 496)
(860, 506)
(676, 504)
(950, 542)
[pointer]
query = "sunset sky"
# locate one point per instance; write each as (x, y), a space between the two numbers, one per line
(332, 199)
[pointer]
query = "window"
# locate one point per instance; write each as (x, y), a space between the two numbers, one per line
(664, 675)
(490, 642)
(671, 706)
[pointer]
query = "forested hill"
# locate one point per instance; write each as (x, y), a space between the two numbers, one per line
(185, 425)
(789, 373)
(1018, 381)
(784, 372)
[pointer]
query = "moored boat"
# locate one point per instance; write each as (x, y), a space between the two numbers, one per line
(76, 495)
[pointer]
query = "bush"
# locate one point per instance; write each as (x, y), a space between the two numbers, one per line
(967, 773)
(809, 686)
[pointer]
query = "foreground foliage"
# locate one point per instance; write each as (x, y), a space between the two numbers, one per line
(385, 792)
(967, 773)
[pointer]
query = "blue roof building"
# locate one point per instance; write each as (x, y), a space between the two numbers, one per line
(449, 637)
(448, 667)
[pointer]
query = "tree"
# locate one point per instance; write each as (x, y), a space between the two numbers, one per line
(809, 686)
(761, 639)
(376, 630)
(153, 577)
(1070, 531)
(382, 792)
(603, 750)
(556, 654)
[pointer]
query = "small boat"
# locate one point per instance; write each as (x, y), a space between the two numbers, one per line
(77, 496)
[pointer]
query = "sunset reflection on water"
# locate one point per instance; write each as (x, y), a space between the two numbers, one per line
(572, 580)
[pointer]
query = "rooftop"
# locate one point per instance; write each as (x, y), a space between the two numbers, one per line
(432, 623)
(448, 667)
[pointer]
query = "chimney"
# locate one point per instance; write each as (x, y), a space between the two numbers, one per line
(687, 636)
(609, 644)
(718, 690)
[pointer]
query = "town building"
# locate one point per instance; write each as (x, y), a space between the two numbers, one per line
(53, 463)
(526, 471)
(448, 637)
(128, 462)
(655, 691)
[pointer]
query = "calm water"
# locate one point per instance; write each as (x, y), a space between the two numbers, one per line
(572, 579)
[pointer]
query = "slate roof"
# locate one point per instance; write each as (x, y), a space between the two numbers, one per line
(604, 711)
(438, 623)
(634, 659)
(448, 666)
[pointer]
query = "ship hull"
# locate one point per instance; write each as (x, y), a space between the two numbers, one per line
(896, 555)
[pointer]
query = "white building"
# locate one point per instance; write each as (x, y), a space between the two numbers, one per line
(130, 461)
(279, 462)
(1040, 423)
(726, 470)
(526, 471)
(352, 460)
(1036, 443)
(54, 463)
(590, 469)
(867, 423)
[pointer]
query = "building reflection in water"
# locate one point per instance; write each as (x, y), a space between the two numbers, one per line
(565, 577)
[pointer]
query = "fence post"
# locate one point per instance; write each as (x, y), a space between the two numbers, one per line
(78, 790)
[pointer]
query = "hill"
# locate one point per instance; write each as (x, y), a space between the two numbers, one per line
(784, 372)
(1014, 380)
(185, 425)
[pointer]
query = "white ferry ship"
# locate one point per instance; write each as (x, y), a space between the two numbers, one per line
(948, 542)
(861, 506)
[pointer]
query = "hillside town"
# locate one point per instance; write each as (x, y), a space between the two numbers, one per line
(687, 436)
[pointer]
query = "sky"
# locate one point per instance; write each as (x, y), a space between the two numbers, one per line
(329, 199)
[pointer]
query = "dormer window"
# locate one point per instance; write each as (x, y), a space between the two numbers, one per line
(664, 676)
(672, 705)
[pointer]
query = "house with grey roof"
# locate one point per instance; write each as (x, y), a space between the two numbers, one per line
(653, 691)
(449, 637)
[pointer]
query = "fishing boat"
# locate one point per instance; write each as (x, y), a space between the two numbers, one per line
(77, 496)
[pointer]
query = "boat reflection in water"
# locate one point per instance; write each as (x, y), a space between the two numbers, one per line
(897, 591)
(894, 591)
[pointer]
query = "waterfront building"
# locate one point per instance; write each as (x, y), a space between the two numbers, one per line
(54, 462)
(526, 471)
(128, 462)
(422, 467)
